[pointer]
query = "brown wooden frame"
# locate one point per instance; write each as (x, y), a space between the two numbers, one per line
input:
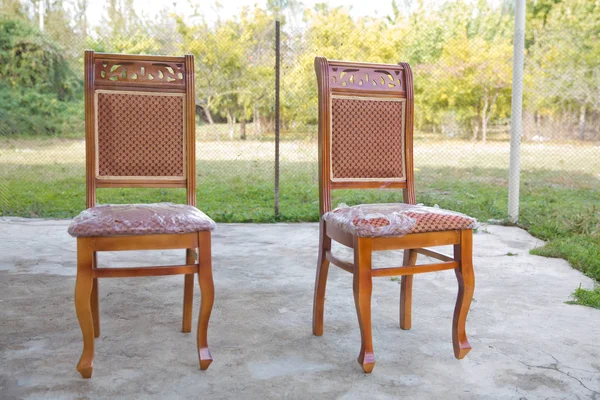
(181, 81)
(353, 83)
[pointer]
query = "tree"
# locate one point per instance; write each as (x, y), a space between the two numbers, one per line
(233, 62)
(38, 90)
(565, 65)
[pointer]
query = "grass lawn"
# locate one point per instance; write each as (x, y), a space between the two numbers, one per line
(560, 202)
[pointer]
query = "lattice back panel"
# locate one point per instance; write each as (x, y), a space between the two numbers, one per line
(367, 139)
(140, 134)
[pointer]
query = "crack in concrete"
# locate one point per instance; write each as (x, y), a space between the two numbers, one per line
(573, 368)
(551, 367)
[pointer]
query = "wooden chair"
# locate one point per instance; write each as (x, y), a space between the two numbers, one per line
(366, 141)
(140, 132)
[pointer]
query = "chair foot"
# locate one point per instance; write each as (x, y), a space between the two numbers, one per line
(461, 349)
(367, 361)
(205, 358)
(85, 368)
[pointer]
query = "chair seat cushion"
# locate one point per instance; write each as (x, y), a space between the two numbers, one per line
(140, 219)
(396, 219)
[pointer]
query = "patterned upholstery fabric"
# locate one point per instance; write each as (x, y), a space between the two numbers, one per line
(140, 219)
(140, 135)
(396, 219)
(366, 138)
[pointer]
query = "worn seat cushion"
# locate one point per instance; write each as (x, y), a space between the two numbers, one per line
(140, 219)
(396, 219)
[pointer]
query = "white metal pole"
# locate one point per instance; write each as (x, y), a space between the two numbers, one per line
(516, 121)
(41, 12)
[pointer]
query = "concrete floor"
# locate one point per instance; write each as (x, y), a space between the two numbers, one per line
(527, 343)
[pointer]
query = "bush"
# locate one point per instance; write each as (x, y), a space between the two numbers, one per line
(31, 113)
(39, 93)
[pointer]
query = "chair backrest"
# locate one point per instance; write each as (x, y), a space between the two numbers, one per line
(139, 122)
(365, 127)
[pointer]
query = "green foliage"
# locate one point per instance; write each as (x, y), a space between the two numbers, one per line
(29, 60)
(234, 65)
(581, 251)
(33, 113)
(38, 90)
(136, 43)
(584, 297)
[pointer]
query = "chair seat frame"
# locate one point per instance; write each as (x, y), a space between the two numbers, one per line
(413, 244)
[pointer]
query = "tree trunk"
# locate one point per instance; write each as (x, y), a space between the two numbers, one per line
(582, 122)
(243, 126)
(475, 131)
(231, 123)
(256, 119)
(484, 119)
(207, 114)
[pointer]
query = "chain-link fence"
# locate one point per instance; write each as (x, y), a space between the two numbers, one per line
(461, 54)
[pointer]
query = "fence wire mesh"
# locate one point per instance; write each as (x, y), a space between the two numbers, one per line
(461, 54)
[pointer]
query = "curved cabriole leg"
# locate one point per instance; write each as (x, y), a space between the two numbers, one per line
(406, 284)
(466, 287)
(362, 299)
(188, 293)
(207, 289)
(95, 304)
(321, 280)
(83, 307)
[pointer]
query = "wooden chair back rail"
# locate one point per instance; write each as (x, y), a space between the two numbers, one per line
(380, 184)
(341, 88)
(107, 183)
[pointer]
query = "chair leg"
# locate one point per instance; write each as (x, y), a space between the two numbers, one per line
(188, 293)
(466, 286)
(321, 281)
(83, 306)
(95, 304)
(95, 308)
(207, 289)
(362, 299)
(406, 284)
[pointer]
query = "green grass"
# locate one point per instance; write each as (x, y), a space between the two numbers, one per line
(584, 297)
(558, 206)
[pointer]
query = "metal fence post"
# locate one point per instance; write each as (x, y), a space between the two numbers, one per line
(277, 70)
(516, 120)
(41, 12)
